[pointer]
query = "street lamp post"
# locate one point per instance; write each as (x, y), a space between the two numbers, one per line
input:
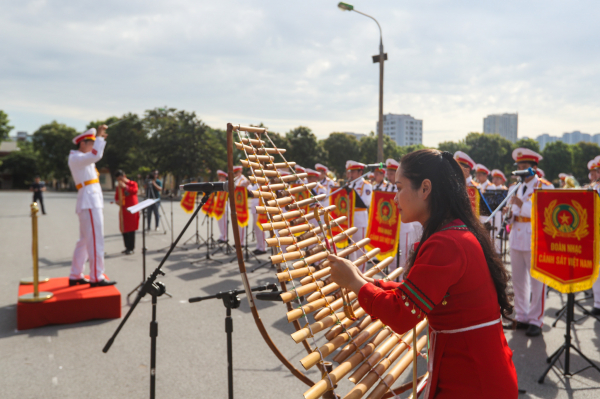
(376, 59)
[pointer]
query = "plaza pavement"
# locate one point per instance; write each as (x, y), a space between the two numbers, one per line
(66, 361)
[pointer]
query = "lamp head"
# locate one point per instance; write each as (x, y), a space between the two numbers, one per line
(345, 6)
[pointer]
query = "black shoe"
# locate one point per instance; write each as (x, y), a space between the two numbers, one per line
(221, 241)
(595, 312)
(103, 283)
(128, 252)
(533, 331)
(124, 251)
(79, 281)
(259, 252)
(519, 326)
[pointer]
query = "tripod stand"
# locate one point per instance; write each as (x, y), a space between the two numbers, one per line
(231, 300)
(196, 234)
(586, 313)
(207, 242)
(567, 346)
(248, 253)
(220, 244)
(156, 289)
(166, 248)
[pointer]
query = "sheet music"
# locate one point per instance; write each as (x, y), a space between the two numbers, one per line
(142, 205)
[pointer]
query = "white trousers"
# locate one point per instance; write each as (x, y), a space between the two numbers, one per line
(261, 245)
(596, 289)
(356, 237)
(223, 226)
(528, 310)
(89, 246)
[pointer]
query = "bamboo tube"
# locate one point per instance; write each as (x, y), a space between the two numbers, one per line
(287, 256)
(319, 326)
(288, 275)
(309, 260)
(294, 178)
(395, 372)
(350, 249)
(260, 180)
(303, 244)
(328, 289)
(274, 187)
(414, 364)
(248, 164)
(254, 142)
(304, 187)
(262, 194)
(340, 371)
(311, 359)
(381, 350)
(267, 209)
(287, 215)
(295, 314)
(337, 238)
(277, 241)
(265, 150)
(317, 230)
(335, 305)
(347, 322)
(404, 387)
(249, 129)
(311, 215)
(245, 148)
(268, 173)
(308, 201)
(294, 230)
(281, 201)
(316, 276)
(261, 158)
(274, 226)
(358, 341)
(280, 165)
(300, 291)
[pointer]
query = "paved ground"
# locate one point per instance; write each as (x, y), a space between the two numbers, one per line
(67, 361)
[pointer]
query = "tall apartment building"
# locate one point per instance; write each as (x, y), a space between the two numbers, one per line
(403, 129)
(506, 125)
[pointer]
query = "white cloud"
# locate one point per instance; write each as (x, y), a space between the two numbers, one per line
(304, 63)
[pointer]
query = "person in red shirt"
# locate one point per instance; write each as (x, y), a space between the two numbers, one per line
(454, 278)
(126, 196)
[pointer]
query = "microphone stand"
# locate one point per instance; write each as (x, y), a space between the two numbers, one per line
(156, 289)
(231, 300)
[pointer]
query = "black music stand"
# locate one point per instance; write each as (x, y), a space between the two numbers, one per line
(247, 253)
(567, 346)
(207, 243)
(169, 246)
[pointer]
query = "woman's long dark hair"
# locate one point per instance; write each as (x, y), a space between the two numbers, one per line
(448, 201)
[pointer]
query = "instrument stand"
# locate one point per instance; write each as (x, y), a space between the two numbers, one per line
(247, 253)
(166, 248)
(197, 234)
(586, 313)
(231, 300)
(228, 248)
(156, 289)
(207, 242)
(566, 347)
(144, 257)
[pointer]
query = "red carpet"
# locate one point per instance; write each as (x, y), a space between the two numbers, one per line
(68, 305)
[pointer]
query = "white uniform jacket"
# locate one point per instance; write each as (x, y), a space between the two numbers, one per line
(383, 186)
(520, 233)
(364, 190)
(328, 184)
(85, 175)
(486, 186)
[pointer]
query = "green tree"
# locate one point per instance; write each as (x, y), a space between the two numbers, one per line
(181, 144)
(491, 150)
(5, 128)
(368, 149)
(409, 148)
(22, 165)
(340, 147)
(527, 143)
(52, 142)
(557, 158)
(452, 146)
(126, 145)
(303, 147)
(582, 154)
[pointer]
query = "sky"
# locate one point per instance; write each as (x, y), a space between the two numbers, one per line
(292, 63)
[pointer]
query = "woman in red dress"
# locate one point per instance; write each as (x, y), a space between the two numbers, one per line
(126, 196)
(454, 278)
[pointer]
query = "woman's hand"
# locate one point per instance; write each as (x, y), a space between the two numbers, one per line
(345, 274)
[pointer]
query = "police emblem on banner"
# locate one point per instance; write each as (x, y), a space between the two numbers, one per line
(566, 220)
(384, 224)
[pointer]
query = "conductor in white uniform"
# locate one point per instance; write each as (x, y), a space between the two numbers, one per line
(90, 203)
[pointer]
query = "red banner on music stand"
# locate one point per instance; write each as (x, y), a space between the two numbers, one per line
(344, 206)
(241, 206)
(188, 201)
(220, 204)
(384, 224)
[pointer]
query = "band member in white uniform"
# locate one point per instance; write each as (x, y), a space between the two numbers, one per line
(410, 233)
(498, 180)
(482, 173)
(467, 165)
(379, 183)
(222, 176)
(239, 180)
(90, 204)
(314, 177)
(594, 167)
(362, 193)
(261, 245)
(529, 292)
(324, 179)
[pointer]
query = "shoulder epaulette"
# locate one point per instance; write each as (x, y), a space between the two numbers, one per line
(546, 182)
(474, 183)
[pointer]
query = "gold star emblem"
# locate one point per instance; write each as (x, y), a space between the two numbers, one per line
(564, 219)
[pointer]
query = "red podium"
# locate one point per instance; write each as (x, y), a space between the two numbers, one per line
(68, 305)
